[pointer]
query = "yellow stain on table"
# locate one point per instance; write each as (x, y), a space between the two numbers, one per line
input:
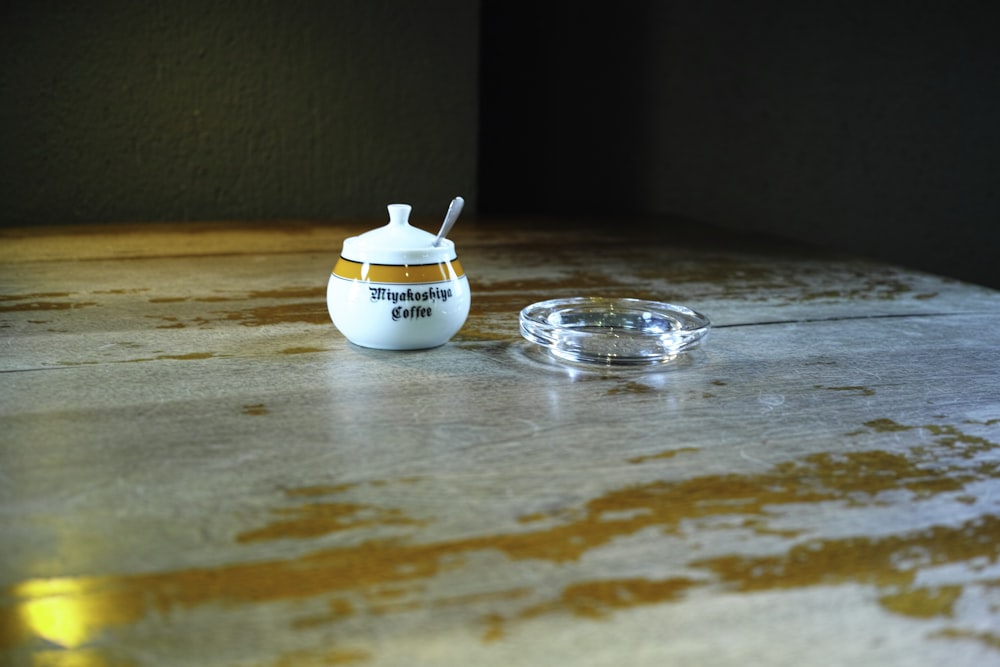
(668, 454)
(315, 519)
(597, 599)
(309, 312)
(326, 658)
(861, 390)
(35, 306)
(190, 356)
(867, 560)
(320, 490)
(923, 602)
(73, 611)
(631, 387)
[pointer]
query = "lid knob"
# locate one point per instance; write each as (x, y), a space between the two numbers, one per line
(399, 214)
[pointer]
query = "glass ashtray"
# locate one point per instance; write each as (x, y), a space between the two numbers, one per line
(627, 332)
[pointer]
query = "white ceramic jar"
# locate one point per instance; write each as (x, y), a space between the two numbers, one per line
(393, 289)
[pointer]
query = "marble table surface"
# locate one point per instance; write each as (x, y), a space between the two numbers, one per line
(197, 469)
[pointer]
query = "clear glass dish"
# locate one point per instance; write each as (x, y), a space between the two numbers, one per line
(613, 331)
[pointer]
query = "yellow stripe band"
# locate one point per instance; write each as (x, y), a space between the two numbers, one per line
(398, 273)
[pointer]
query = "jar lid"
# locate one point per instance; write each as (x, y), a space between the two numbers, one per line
(398, 243)
(613, 331)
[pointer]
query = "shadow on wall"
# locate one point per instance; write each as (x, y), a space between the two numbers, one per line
(176, 110)
(869, 127)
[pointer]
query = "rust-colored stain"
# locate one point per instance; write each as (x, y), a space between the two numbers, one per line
(301, 350)
(320, 490)
(751, 273)
(596, 599)
(492, 317)
(991, 640)
(533, 517)
(650, 276)
(631, 387)
(758, 279)
(310, 312)
(885, 425)
(215, 299)
(190, 356)
(761, 527)
(667, 454)
(35, 296)
(34, 306)
(315, 519)
(318, 292)
(869, 560)
(965, 445)
(873, 288)
(951, 436)
(389, 575)
(860, 390)
(337, 610)
(570, 280)
(255, 410)
(923, 602)
(325, 658)
(331, 658)
(313, 292)
(483, 304)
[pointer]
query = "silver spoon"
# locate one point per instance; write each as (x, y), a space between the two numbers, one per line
(454, 210)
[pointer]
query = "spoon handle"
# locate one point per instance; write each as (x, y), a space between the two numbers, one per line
(454, 209)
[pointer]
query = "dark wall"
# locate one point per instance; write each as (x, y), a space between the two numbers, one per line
(873, 127)
(182, 109)
(868, 126)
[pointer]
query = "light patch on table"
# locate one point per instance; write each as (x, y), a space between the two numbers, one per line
(391, 575)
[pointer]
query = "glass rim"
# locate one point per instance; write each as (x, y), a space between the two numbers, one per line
(613, 331)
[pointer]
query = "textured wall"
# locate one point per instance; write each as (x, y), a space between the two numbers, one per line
(183, 109)
(871, 126)
(868, 126)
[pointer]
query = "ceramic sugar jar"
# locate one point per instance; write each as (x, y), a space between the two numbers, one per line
(394, 289)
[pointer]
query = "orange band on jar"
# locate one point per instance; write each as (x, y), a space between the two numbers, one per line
(398, 273)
